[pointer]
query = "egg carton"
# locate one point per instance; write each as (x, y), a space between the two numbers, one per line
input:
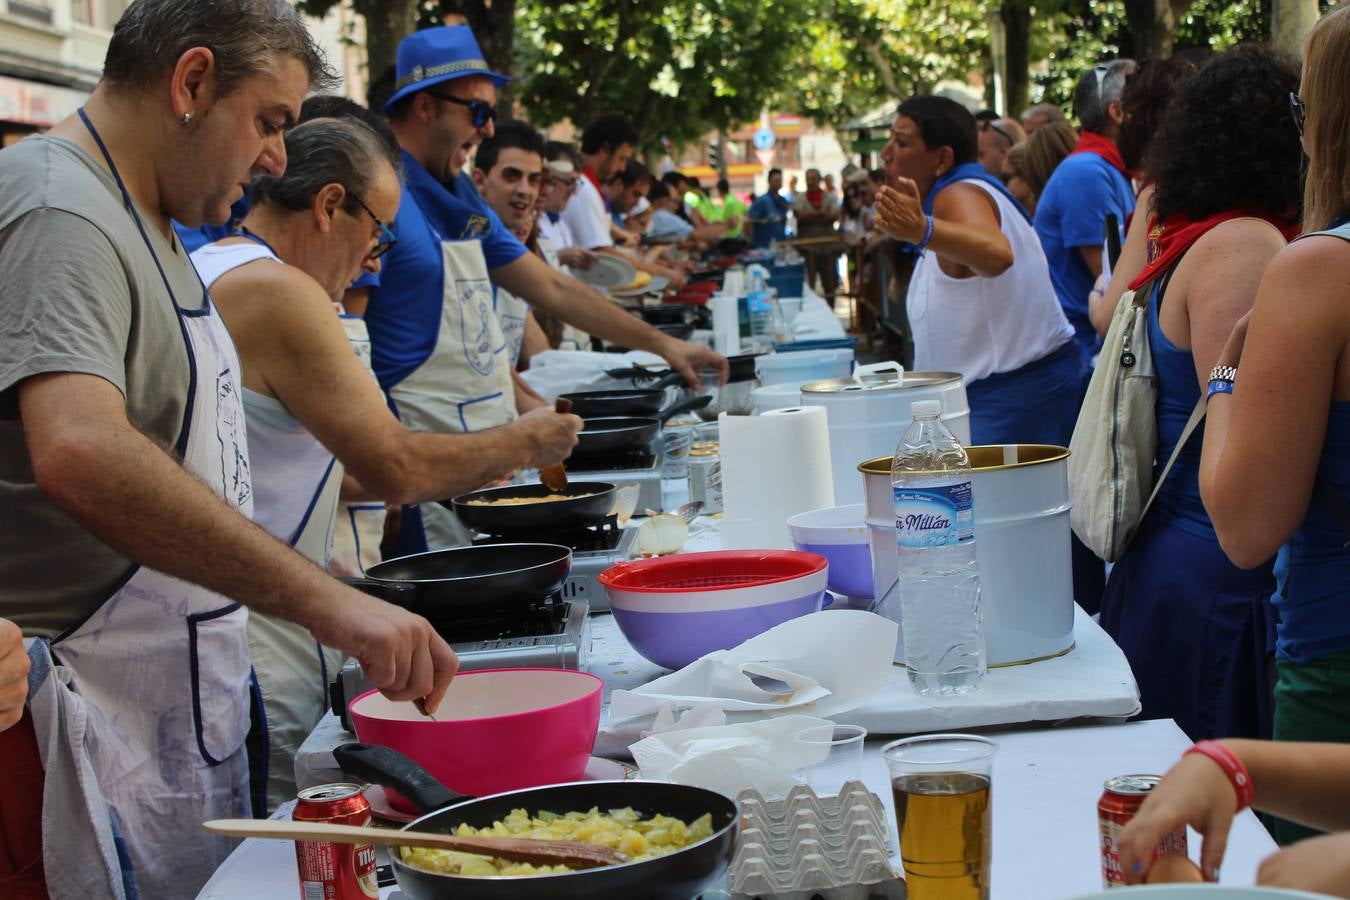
(807, 846)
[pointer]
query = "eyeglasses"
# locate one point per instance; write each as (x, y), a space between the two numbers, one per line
(1298, 111)
(988, 125)
(387, 236)
(481, 111)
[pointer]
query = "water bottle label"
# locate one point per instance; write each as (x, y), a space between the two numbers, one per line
(935, 516)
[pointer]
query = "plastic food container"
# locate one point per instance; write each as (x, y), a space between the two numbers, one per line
(838, 533)
(676, 609)
(497, 729)
(802, 366)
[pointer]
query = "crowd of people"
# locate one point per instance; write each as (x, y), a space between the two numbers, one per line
(202, 423)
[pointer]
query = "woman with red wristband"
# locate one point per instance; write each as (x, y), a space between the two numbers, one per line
(1214, 780)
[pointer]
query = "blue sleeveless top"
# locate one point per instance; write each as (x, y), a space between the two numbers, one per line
(1314, 606)
(1178, 392)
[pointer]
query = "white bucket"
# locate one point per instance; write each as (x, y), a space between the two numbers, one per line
(868, 412)
(1021, 495)
(775, 396)
(800, 366)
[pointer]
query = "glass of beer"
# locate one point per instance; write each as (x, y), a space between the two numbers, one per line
(940, 783)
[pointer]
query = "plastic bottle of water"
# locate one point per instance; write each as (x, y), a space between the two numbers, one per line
(939, 586)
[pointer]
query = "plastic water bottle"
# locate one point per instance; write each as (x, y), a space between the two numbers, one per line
(939, 586)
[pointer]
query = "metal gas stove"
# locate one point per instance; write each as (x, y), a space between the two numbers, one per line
(554, 632)
(595, 548)
(641, 466)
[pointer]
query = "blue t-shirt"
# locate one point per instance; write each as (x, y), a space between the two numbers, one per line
(404, 312)
(666, 223)
(193, 239)
(1071, 213)
(768, 218)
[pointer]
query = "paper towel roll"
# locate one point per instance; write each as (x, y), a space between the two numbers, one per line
(773, 466)
(733, 282)
(726, 324)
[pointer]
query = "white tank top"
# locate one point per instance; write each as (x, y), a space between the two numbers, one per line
(983, 326)
(295, 478)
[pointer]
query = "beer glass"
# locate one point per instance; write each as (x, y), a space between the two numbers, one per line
(941, 784)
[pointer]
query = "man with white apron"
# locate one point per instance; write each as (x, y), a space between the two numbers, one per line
(303, 241)
(437, 344)
(124, 470)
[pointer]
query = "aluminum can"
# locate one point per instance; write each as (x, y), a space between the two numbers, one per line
(1120, 800)
(328, 870)
(705, 479)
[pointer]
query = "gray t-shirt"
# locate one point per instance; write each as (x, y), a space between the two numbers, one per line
(80, 293)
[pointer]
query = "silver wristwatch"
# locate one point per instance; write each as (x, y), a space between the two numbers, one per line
(1223, 373)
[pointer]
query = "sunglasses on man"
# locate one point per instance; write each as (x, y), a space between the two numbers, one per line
(481, 111)
(988, 125)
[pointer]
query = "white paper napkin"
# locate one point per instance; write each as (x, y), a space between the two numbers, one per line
(730, 758)
(820, 664)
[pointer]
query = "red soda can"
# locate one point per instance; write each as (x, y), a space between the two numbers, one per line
(328, 870)
(1121, 799)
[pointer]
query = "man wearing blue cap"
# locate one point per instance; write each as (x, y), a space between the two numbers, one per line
(437, 345)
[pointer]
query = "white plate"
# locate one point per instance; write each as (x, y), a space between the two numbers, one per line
(658, 284)
(598, 769)
(609, 271)
(1201, 892)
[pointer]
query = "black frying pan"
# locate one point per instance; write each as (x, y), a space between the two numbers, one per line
(590, 501)
(444, 584)
(676, 876)
(609, 434)
(595, 404)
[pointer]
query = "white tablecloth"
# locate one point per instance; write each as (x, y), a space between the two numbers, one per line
(1046, 785)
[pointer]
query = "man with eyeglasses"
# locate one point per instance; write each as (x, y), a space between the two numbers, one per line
(997, 137)
(562, 171)
(1089, 185)
(436, 340)
(315, 416)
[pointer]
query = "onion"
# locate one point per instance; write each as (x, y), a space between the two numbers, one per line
(662, 535)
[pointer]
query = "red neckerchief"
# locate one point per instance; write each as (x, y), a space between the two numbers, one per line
(816, 198)
(1103, 147)
(595, 180)
(1177, 233)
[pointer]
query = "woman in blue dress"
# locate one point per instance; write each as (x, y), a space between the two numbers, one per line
(1276, 464)
(1192, 624)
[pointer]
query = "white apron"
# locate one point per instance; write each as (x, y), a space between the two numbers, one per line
(573, 338)
(359, 528)
(162, 665)
(465, 384)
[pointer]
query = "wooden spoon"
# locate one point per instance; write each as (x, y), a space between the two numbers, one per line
(541, 853)
(554, 477)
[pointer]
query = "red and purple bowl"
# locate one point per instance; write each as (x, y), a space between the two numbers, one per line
(496, 730)
(676, 609)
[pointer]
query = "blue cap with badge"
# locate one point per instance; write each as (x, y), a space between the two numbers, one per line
(435, 55)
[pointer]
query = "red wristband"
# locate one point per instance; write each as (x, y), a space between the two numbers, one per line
(1232, 767)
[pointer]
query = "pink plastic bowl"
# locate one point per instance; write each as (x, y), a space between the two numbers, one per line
(497, 729)
(676, 609)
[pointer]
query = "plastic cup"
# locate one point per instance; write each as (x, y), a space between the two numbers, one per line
(841, 750)
(941, 786)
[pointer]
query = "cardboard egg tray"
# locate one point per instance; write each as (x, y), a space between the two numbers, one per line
(807, 846)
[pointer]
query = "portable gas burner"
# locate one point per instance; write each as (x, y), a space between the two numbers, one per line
(595, 547)
(640, 466)
(554, 632)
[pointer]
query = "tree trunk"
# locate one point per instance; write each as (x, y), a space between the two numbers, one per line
(1016, 16)
(1290, 22)
(387, 23)
(1153, 25)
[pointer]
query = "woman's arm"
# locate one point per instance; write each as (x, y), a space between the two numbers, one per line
(1133, 256)
(966, 233)
(1263, 442)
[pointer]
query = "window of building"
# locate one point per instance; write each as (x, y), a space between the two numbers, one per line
(96, 13)
(37, 10)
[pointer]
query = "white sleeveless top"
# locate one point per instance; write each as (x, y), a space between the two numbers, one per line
(295, 478)
(984, 326)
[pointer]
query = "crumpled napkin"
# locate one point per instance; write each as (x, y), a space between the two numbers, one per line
(730, 758)
(821, 664)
